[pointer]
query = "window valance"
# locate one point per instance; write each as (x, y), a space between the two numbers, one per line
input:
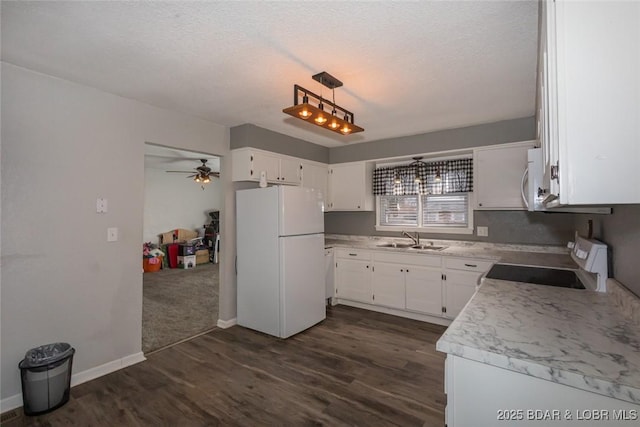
(440, 177)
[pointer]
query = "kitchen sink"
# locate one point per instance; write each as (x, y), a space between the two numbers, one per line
(394, 245)
(428, 247)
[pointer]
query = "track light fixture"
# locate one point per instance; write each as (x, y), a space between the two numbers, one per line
(306, 110)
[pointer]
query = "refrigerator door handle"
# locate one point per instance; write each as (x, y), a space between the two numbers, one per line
(236, 264)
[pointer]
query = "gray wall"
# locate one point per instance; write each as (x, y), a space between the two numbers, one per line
(621, 231)
(523, 129)
(64, 145)
(249, 135)
(535, 228)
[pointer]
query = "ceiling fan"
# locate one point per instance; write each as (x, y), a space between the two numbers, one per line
(202, 173)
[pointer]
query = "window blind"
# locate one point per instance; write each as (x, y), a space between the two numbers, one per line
(399, 210)
(448, 210)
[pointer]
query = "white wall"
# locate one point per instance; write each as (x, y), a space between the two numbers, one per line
(172, 201)
(64, 145)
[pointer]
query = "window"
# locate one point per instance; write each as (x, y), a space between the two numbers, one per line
(399, 210)
(444, 212)
(425, 196)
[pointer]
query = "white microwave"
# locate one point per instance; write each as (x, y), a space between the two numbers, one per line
(536, 197)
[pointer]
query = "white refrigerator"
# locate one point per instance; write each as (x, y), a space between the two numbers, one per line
(280, 259)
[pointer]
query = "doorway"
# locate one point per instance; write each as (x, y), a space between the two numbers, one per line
(181, 287)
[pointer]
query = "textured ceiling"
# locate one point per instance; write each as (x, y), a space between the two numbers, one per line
(407, 67)
(158, 157)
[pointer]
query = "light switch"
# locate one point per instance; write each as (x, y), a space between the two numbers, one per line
(112, 234)
(482, 231)
(101, 205)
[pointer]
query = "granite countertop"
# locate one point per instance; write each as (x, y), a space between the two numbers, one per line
(578, 338)
(542, 256)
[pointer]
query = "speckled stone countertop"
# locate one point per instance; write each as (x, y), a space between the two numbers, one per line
(544, 256)
(578, 338)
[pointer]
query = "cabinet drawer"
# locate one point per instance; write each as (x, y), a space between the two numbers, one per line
(467, 264)
(353, 254)
(408, 259)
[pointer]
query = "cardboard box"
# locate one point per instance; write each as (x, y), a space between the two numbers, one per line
(202, 256)
(187, 262)
(178, 235)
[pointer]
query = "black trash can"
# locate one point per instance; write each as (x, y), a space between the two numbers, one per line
(46, 377)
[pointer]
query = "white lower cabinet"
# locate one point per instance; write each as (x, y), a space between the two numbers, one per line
(460, 277)
(424, 290)
(388, 284)
(426, 285)
(329, 273)
(484, 395)
(459, 288)
(353, 275)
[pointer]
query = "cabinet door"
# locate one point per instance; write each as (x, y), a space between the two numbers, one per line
(424, 290)
(347, 188)
(289, 171)
(459, 288)
(329, 273)
(315, 176)
(267, 163)
(353, 280)
(388, 284)
(499, 173)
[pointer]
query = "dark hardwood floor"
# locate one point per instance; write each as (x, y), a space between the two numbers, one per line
(356, 368)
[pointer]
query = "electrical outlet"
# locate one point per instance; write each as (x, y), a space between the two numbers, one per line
(112, 234)
(101, 205)
(482, 231)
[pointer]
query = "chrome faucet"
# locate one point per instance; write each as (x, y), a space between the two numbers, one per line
(416, 238)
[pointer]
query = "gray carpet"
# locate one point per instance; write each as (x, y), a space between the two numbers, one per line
(178, 304)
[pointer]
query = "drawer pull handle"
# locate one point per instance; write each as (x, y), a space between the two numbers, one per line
(471, 265)
(353, 254)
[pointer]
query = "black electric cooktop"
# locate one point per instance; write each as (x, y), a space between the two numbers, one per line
(536, 275)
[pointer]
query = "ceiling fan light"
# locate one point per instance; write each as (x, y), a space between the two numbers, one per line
(206, 179)
(197, 178)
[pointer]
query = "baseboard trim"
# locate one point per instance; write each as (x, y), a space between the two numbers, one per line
(396, 312)
(224, 324)
(15, 401)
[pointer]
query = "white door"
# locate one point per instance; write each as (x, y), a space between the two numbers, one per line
(424, 290)
(459, 288)
(289, 171)
(329, 272)
(265, 163)
(300, 211)
(302, 286)
(353, 280)
(388, 284)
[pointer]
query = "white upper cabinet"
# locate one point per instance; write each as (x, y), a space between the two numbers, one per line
(248, 163)
(315, 175)
(350, 187)
(498, 177)
(589, 101)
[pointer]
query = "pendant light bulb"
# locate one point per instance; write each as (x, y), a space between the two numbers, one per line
(320, 119)
(334, 125)
(305, 114)
(345, 130)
